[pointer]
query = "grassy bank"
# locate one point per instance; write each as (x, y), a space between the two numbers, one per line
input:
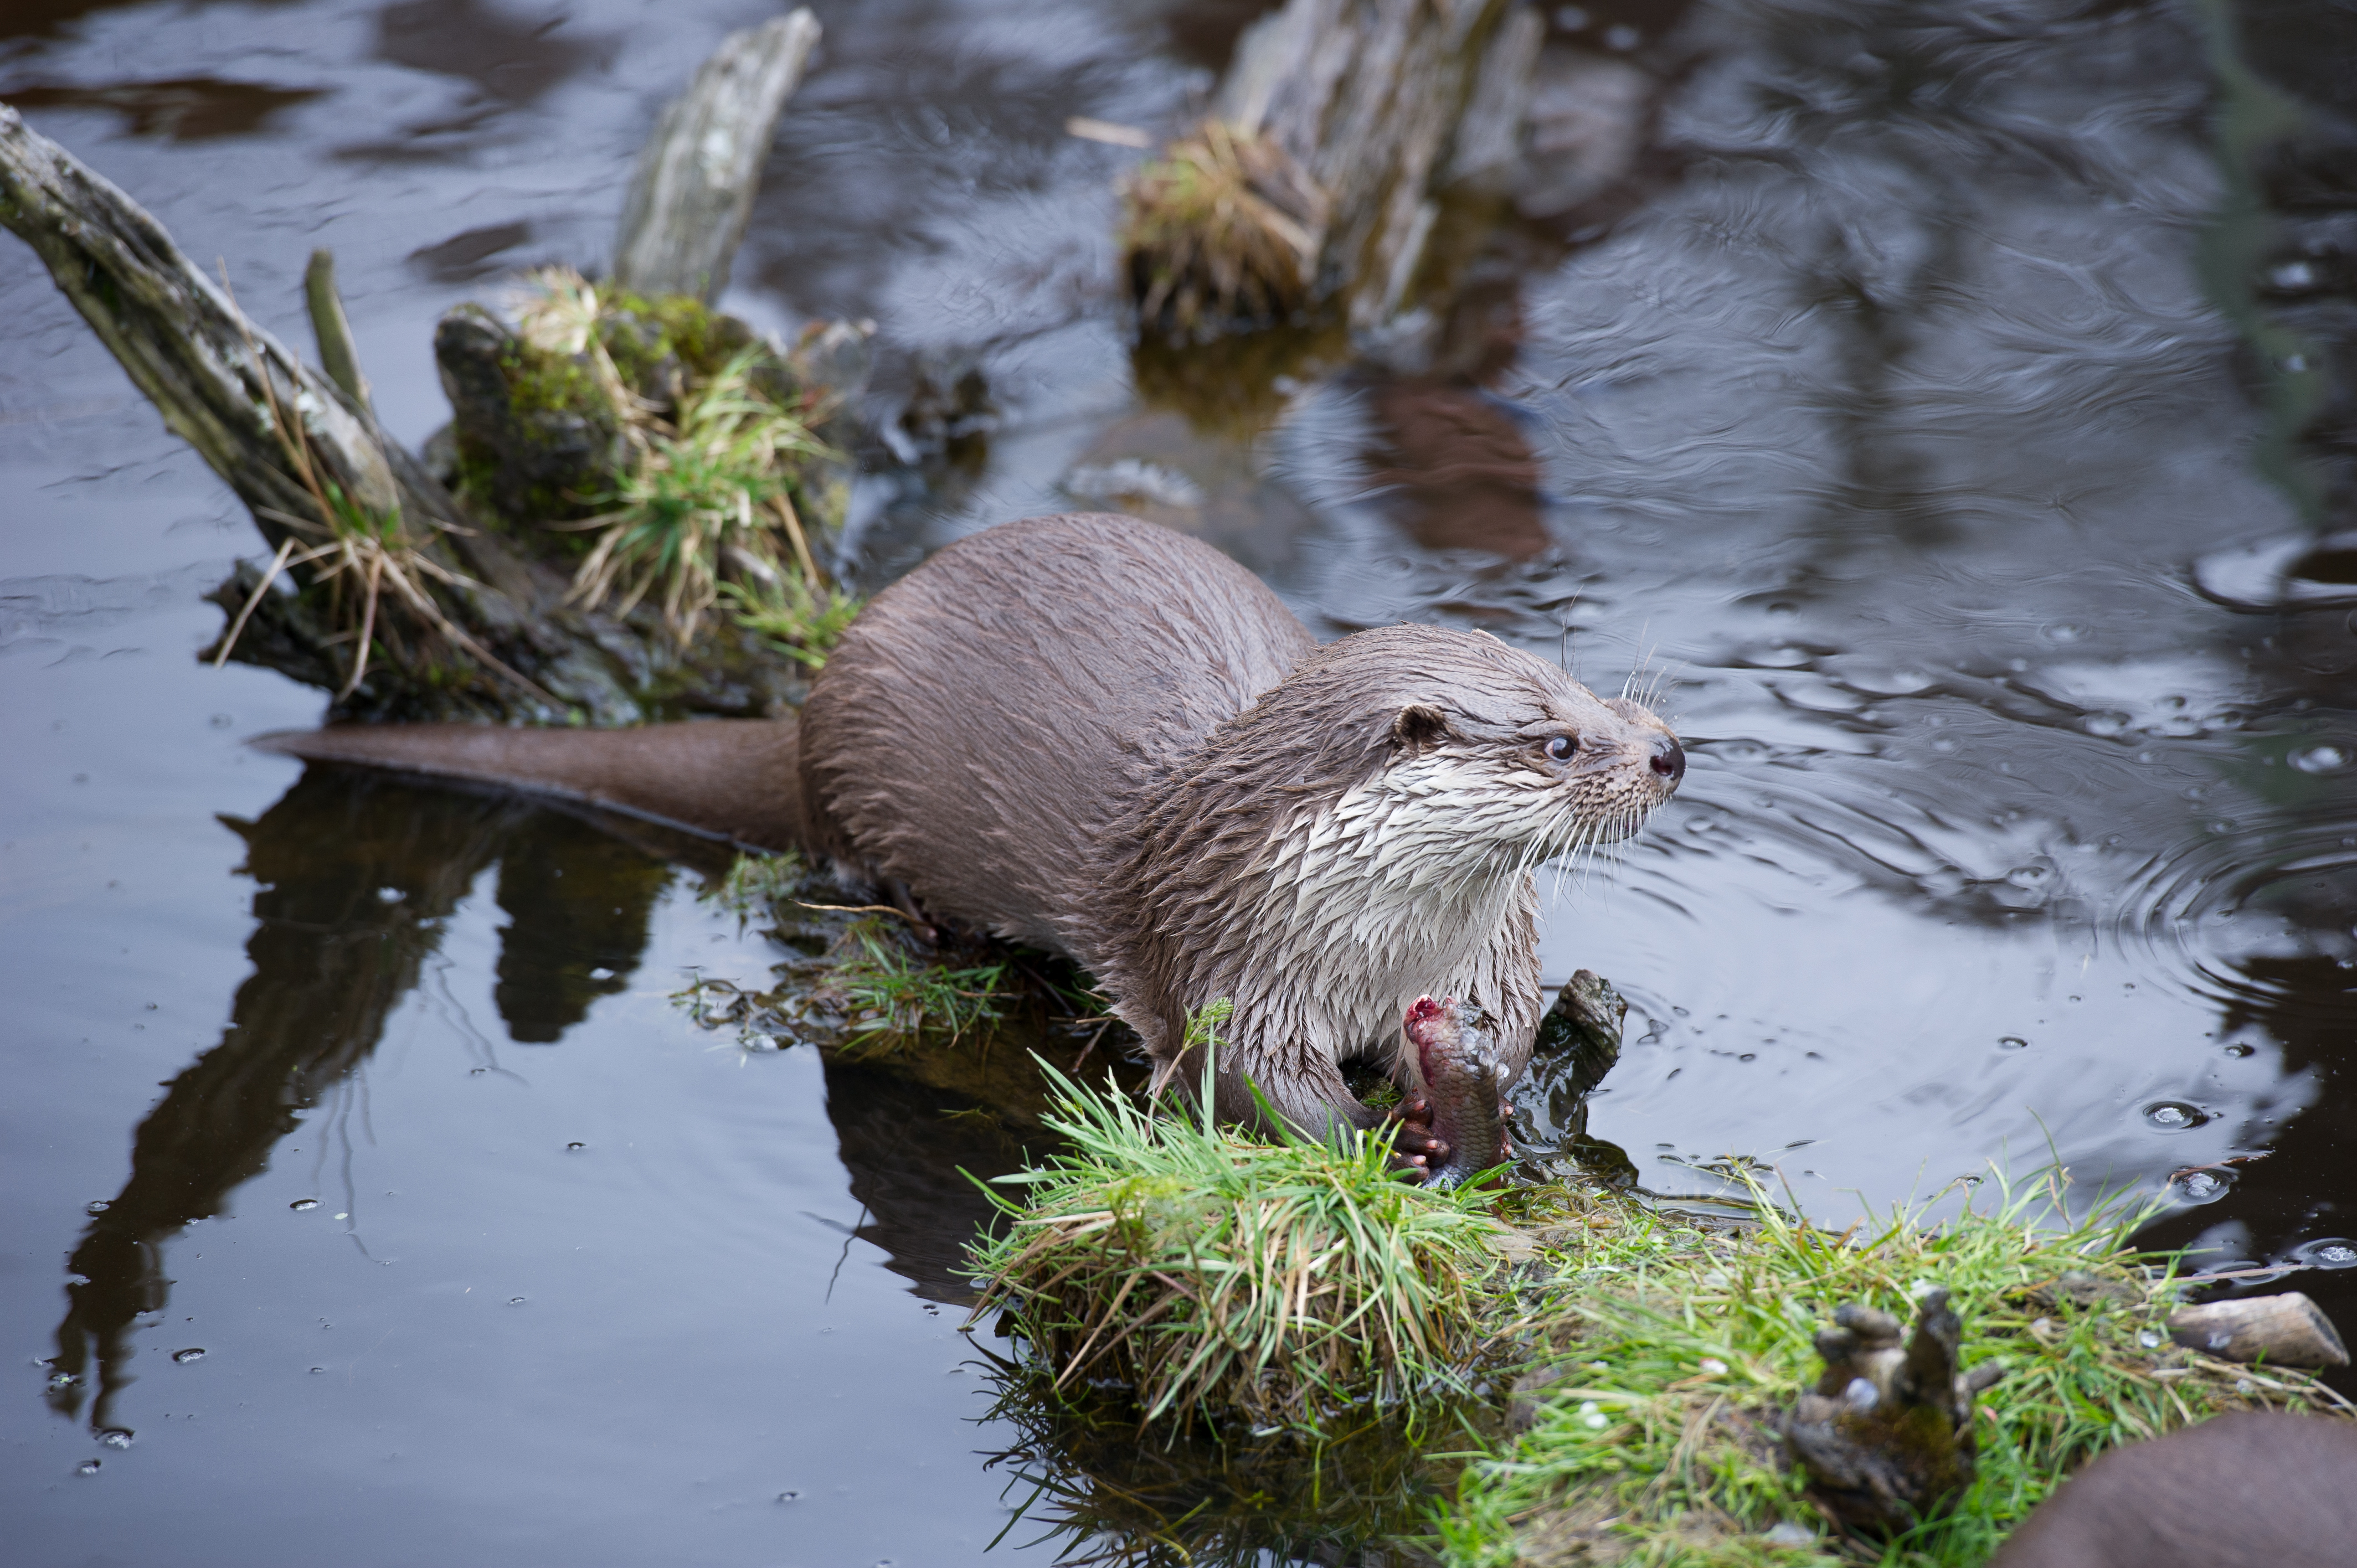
(1627, 1367)
(1663, 1354)
(1208, 1273)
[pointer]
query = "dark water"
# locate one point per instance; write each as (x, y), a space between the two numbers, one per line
(1879, 404)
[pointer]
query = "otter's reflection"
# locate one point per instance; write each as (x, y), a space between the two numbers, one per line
(1459, 467)
(908, 1149)
(354, 877)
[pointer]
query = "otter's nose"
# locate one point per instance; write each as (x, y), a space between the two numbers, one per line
(1669, 758)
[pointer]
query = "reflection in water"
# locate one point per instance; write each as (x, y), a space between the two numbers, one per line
(908, 1149)
(1084, 1480)
(512, 57)
(354, 878)
(190, 109)
(1462, 467)
(577, 900)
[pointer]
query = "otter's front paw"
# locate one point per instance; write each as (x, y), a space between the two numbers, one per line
(1415, 1148)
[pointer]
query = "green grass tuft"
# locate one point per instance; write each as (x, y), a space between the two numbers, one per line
(1203, 1270)
(792, 616)
(758, 883)
(892, 996)
(1674, 1351)
(1222, 231)
(714, 491)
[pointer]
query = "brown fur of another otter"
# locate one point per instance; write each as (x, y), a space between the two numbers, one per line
(1095, 735)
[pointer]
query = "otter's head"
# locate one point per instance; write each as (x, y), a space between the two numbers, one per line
(1479, 755)
(1363, 832)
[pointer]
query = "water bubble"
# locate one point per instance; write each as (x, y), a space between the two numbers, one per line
(300, 1203)
(2292, 276)
(1712, 1367)
(2148, 1338)
(787, 1497)
(2239, 1051)
(601, 973)
(390, 895)
(575, 1148)
(1788, 1533)
(1599, 1367)
(2199, 1186)
(317, 1371)
(2321, 759)
(477, 1071)
(2328, 1252)
(87, 1468)
(194, 1353)
(2012, 1043)
(96, 1205)
(1596, 1422)
(115, 1437)
(516, 1301)
(2174, 1115)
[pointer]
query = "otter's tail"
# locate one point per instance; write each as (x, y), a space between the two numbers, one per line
(734, 779)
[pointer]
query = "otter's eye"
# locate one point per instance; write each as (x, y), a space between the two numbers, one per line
(1560, 748)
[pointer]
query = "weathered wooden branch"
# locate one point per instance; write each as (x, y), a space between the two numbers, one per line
(693, 190)
(1350, 119)
(2288, 1330)
(405, 604)
(212, 373)
(315, 470)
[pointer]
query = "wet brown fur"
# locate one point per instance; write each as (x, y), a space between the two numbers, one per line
(1085, 733)
(2254, 1489)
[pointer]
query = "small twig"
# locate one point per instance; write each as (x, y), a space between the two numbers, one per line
(2215, 1165)
(784, 506)
(253, 600)
(368, 630)
(866, 909)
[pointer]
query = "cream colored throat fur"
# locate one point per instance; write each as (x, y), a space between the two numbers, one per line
(1417, 881)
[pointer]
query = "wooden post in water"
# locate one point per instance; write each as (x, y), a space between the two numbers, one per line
(694, 187)
(1318, 172)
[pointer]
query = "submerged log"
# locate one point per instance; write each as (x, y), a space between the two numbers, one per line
(694, 187)
(1887, 1435)
(1320, 171)
(381, 586)
(333, 497)
(2285, 1330)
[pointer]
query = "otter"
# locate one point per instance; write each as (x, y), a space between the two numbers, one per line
(1092, 735)
(2250, 1489)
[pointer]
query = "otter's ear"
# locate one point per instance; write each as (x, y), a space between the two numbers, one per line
(1418, 726)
